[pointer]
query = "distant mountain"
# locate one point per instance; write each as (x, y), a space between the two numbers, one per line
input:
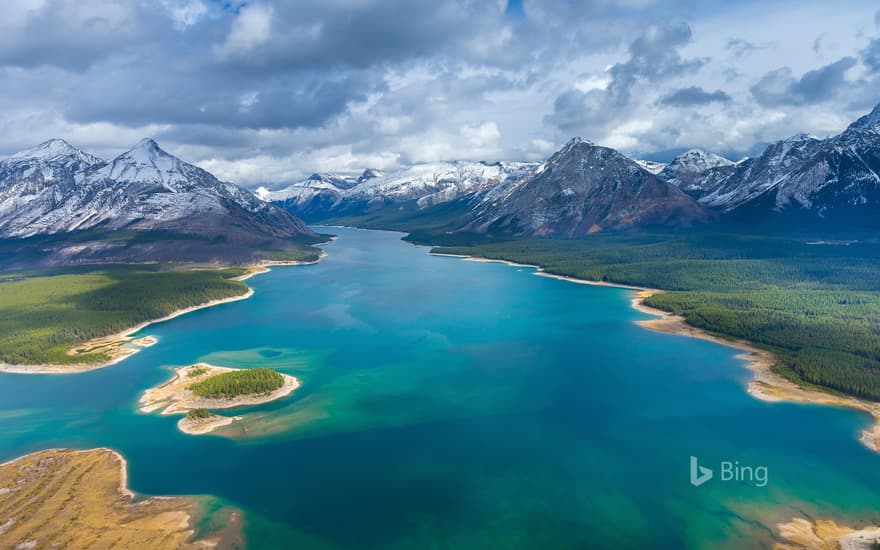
(754, 177)
(695, 171)
(652, 166)
(584, 188)
(808, 179)
(56, 189)
(417, 187)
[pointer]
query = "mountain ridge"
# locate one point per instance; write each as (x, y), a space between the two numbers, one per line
(803, 178)
(55, 189)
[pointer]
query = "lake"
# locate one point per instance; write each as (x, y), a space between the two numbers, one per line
(456, 404)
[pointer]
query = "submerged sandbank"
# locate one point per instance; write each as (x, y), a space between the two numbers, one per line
(175, 397)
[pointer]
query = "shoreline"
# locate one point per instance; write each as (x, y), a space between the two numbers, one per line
(116, 343)
(802, 533)
(105, 511)
(765, 385)
(174, 397)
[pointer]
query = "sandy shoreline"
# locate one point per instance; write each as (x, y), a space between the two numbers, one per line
(174, 397)
(803, 534)
(764, 385)
(123, 345)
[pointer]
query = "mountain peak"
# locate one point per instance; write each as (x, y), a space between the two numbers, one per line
(870, 121)
(695, 152)
(147, 148)
(147, 162)
(576, 141)
(54, 149)
(148, 144)
(370, 173)
(574, 146)
(702, 159)
(800, 137)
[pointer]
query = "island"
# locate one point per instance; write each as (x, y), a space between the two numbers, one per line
(77, 499)
(195, 390)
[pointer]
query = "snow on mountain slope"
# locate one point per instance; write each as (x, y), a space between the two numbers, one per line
(754, 177)
(696, 171)
(584, 188)
(831, 179)
(652, 166)
(427, 184)
(55, 151)
(56, 188)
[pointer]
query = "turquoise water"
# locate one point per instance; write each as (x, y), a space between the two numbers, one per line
(454, 404)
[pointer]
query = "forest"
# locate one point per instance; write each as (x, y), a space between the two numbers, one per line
(239, 382)
(44, 313)
(199, 414)
(815, 304)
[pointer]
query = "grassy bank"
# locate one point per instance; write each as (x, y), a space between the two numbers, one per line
(43, 313)
(815, 304)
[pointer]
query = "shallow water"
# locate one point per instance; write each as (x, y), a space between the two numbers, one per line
(456, 404)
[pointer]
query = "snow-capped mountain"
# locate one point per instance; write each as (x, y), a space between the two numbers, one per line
(584, 188)
(55, 152)
(52, 164)
(753, 177)
(420, 185)
(56, 188)
(316, 195)
(696, 171)
(833, 179)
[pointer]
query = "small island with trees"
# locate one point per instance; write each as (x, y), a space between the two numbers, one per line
(196, 390)
(240, 382)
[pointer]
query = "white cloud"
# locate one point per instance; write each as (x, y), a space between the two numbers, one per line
(483, 134)
(185, 13)
(267, 92)
(250, 30)
(592, 82)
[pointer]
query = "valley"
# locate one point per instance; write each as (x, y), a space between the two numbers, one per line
(733, 243)
(394, 275)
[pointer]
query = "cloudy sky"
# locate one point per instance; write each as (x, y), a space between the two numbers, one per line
(266, 92)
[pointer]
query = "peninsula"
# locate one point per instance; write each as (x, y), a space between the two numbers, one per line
(78, 499)
(59, 323)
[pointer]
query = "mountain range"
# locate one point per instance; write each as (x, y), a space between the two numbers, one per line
(147, 205)
(55, 191)
(584, 188)
(419, 186)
